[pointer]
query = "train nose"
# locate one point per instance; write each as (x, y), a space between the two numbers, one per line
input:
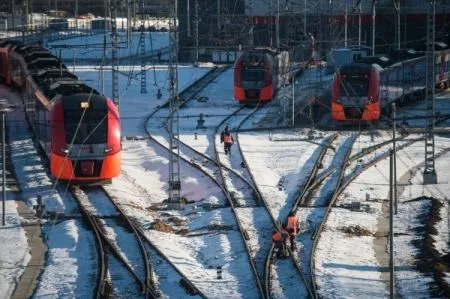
(87, 168)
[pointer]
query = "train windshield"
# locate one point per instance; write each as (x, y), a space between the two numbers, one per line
(354, 85)
(253, 73)
(90, 128)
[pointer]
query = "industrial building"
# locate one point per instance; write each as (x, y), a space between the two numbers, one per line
(304, 27)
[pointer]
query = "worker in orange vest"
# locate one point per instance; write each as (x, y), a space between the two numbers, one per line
(279, 239)
(227, 139)
(292, 228)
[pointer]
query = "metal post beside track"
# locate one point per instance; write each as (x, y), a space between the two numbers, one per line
(4, 107)
(395, 154)
(3, 170)
(391, 225)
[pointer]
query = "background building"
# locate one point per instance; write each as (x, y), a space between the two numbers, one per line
(303, 25)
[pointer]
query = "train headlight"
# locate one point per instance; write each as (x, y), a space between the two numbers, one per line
(108, 149)
(65, 151)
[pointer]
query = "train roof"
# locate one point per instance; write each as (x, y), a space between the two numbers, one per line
(10, 42)
(404, 54)
(50, 63)
(67, 88)
(30, 57)
(254, 57)
(24, 49)
(54, 73)
(43, 78)
(381, 60)
(356, 68)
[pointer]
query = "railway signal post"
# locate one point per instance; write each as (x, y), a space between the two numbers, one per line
(174, 200)
(429, 174)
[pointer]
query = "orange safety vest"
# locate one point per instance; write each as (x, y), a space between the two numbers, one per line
(227, 139)
(292, 224)
(276, 237)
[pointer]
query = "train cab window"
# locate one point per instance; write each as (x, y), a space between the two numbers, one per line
(355, 85)
(253, 73)
(90, 128)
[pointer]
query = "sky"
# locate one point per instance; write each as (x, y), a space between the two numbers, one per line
(348, 265)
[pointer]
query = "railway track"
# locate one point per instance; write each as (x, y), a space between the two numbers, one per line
(345, 177)
(122, 272)
(265, 257)
(158, 259)
(210, 167)
(307, 290)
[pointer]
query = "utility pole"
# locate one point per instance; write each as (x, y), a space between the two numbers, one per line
(115, 73)
(391, 227)
(374, 2)
(196, 32)
(218, 14)
(13, 16)
(129, 23)
(277, 26)
(429, 174)
(102, 72)
(105, 3)
(397, 25)
(394, 141)
(359, 25)
(174, 200)
(304, 18)
(24, 19)
(251, 23)
(188, 18)
(345, 20)
(142, 46)
(76, 14)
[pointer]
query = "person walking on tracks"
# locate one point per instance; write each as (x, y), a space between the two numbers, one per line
(279, 239)
(227, 140)
(292, 228)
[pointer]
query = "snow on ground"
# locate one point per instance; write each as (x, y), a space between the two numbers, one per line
(362, 272)
(15, 255)
(284, 169)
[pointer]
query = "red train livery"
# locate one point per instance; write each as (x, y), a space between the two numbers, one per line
(78, 129)
(363, 91)
(258, 74)
(356, 93)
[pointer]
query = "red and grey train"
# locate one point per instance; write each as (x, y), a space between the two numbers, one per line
(258, 74)
(362, 91)
(78, 129)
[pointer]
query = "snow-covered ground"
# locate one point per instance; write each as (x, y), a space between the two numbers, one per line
(348, 265)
